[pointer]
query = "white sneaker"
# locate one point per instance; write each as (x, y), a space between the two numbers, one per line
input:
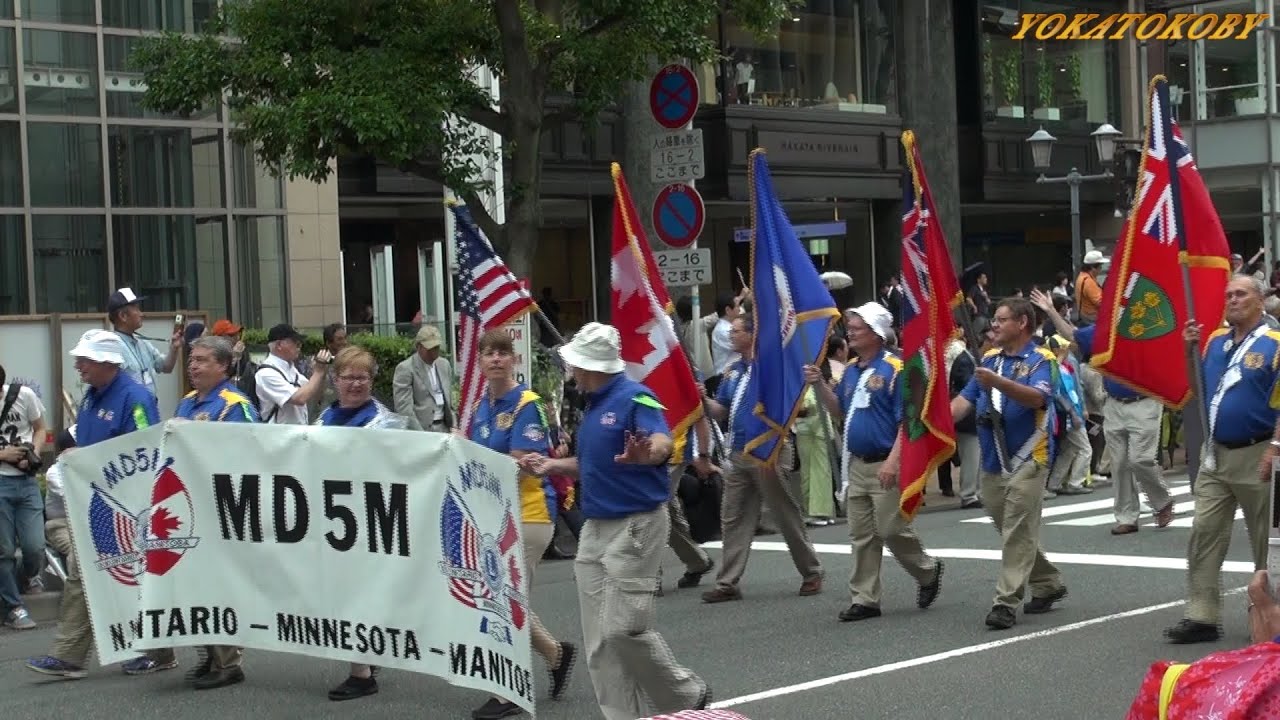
(20, 619)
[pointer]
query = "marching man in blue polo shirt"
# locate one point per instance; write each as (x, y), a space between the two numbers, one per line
(623, 449)
(114, 404)
(1241, 369)
(869, 400)
(1012, 391)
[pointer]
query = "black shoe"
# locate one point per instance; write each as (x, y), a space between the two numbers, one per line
(856, 612)
(704, 701)
(560, 676)
(1041, 605)
(968, 504)
(354, 687)
(495, 709)
(1187, 632)
(204, 667)
(222, 677)
(374, 670)
(1001, 618)
(926, 594)
(691, 579)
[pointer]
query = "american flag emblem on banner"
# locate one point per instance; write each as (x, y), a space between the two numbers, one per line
(116, 537)
(489, 296)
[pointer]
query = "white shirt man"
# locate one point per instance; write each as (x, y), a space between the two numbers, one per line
(283, 391)
(21, 507)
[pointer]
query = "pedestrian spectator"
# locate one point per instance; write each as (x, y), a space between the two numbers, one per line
(22, 438)
(422, 385)
(142, 359)
(283, 391)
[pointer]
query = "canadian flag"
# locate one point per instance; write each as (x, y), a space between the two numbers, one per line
(641, 311)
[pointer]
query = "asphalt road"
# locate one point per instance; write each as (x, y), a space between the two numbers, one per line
(776, 656)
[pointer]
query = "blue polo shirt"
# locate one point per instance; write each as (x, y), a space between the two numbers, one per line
(872, 422)
(733, 377)
(515, 422)
(121, 407)
(1248, 408)
(1035, 367)
(610, 490)
(1084, 342)
(225, 403)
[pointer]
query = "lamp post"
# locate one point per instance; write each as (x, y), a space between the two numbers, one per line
(1104, 140)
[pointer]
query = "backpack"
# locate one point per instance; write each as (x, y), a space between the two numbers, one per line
(248, 385)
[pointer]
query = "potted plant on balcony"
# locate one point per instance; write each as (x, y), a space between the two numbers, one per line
(1248, 101)
(1009, 69)
(1044, 87)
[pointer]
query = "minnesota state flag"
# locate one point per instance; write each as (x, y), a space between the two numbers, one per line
(793, 312)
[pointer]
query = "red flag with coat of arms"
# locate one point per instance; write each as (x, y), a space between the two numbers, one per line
(1144, 305)
(930, 295)
(641, 311)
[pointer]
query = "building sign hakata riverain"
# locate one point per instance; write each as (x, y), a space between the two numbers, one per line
(343, 543)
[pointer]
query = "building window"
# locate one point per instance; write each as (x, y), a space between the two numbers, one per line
(254, 185)
(178, 15)
(1179, 72)
(65, 164)
(71, 12)
(1232, 82)
(13, 265)
(8, 71)
(1050, 81)
(165, 167)
(125, 85)
(177, 261)
(61, 73)
(828, 54)
(260, 256)
(71, 263)
(6, 9)
(10, 165)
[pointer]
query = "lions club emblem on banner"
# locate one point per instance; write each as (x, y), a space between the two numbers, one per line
(153, 539)
(483, 569)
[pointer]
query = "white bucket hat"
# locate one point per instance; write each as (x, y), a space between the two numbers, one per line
(1094, 257)
(876, 317)
(596, 347)
(101, 346)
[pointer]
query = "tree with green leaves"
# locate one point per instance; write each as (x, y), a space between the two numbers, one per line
(308, 80)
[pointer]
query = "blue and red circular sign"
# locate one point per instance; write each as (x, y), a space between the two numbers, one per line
(673, 96)
(678, 215)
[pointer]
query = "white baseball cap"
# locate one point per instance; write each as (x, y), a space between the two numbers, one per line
(596, 347)
(101, 346)
(876, 317)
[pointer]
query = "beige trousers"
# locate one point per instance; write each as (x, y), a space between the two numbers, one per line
(874, 524)
(1132, 431)
(75, 633)
(1014, 505)
(747, 485)
(695, 559)
(616, 571)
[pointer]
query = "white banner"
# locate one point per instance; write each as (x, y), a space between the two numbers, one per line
(348, 544)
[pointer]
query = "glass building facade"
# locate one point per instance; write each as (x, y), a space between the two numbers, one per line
(98, 192)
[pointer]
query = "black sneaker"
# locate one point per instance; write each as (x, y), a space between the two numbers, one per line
(220, 678)
(856, 612)
(495, 709)
(1001, 618)
(1041, 605)
(928, 593)
(691, 579)
(560, 676)
(202, 668)
(1187, 632)
(354, 687)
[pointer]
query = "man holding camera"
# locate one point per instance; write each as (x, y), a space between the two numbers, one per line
(22, 436)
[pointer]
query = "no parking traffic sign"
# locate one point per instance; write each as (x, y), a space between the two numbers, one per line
(673, 96)
(678, 214)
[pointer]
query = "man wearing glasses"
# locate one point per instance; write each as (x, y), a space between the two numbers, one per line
(283, 392)
(1012, 391)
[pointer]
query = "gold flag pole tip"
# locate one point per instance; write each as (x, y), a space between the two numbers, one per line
(615, 169)
(452, 202)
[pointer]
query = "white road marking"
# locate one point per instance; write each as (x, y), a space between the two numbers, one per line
(1056, 510)
(946, 655)
(1130, 561)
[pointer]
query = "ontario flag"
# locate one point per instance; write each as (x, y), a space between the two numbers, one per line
(930, 296)
(641, 311)
(1144, 306)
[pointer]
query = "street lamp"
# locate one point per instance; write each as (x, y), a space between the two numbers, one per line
(1104, 141)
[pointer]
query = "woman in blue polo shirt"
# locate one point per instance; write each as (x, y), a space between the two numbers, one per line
(509, 419)
(353, 372)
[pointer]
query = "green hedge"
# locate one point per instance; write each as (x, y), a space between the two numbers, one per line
(389, 350)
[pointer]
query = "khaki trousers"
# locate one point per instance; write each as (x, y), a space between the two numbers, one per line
(876, 523)
(616, 571)
(1132, 431)
(695, 559)
(1014, 505)
(75, 633)
(1235, 483)
(1071, 466)
(747, 485)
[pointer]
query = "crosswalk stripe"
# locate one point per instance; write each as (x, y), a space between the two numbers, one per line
(1057, 510)
(1107, 518)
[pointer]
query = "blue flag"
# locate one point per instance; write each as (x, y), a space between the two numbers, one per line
(793, 311)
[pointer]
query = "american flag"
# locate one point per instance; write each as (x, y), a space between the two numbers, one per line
(114, 532)
(461, 540)
(489, 296)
